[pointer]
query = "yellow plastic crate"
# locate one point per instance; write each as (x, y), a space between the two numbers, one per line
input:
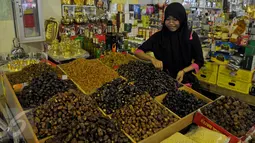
(232, 84)
(208, 73)
(241, 75)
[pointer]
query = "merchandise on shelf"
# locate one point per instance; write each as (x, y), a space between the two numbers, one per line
(66, 49)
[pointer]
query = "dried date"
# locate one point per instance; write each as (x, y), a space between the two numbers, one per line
(143, 117)
(182, 103)
(115, 94)
(232, 114)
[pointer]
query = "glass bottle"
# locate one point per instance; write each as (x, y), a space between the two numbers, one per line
(90, 43)
(97, 49)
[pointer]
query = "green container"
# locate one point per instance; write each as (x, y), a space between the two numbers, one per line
(250, 49)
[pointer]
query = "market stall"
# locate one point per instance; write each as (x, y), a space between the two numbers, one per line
(87, 85)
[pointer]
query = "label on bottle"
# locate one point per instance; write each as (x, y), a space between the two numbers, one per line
(114, 48)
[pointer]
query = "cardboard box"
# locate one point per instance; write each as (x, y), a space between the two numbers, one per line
(203, 121)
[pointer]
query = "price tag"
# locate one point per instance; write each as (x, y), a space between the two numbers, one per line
(64, 77)
(19, 87)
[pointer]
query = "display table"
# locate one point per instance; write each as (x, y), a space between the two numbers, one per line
(226, 92)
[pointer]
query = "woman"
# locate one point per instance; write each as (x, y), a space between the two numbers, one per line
(175, 46)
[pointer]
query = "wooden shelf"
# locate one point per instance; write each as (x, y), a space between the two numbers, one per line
(226, 92)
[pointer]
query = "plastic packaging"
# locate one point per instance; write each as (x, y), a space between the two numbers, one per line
(178, 138)
(204, 135)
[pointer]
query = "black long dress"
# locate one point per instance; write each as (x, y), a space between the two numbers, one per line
(176, 49)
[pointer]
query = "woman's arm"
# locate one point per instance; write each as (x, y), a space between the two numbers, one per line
(147, 46)
(141, 55)
(197, 55)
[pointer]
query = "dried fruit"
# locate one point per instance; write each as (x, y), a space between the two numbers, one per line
(89, 74)
(115, 94)
(182, 103)
(147, 78)
(57, 114)
(232, 114)
(41, 89)
(28, 73)
(143, 117)
(113, 59)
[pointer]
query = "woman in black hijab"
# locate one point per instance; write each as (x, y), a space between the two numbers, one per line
(175, 46)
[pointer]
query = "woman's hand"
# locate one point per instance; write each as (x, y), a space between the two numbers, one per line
(157, 63)
(180, 76)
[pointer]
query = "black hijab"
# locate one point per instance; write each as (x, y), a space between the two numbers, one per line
(176, 44)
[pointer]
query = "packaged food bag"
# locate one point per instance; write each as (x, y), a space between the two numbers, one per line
(178, 138)
(204, 135)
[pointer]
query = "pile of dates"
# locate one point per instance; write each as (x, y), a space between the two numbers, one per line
(182, 102)
(143, 118)
(55, 116)
(28, 73)
(157, 86)
(89, 74)
(232, 114)
(113, 59)
(138, 70)
(147, 78)
(115, 94)
(91, 129)
(41, 89)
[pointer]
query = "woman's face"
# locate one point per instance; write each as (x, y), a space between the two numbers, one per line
(172, 23)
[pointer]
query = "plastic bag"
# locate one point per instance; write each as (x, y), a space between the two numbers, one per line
(204, 135)
(178, 138)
